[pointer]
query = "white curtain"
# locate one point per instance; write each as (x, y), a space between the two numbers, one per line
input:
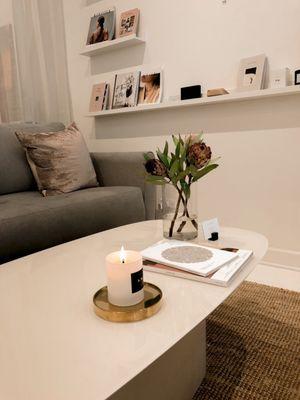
(10, 100)
(42, 60)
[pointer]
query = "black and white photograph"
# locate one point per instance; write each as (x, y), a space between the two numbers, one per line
(102, 27)
(150, 90)
(128, 22)
(126, 90)
(252, 73)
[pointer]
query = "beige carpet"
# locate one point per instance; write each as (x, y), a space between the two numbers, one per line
(253, 346)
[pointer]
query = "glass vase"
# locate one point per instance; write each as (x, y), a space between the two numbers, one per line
(179, 214)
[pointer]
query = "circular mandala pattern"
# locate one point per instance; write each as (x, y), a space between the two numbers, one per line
(187, 254)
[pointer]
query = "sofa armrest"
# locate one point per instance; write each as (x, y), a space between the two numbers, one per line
(125, 169)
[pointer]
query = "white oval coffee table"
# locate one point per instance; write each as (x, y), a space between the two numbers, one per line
(53, 346)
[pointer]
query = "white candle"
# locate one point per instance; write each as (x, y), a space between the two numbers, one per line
(124, 270)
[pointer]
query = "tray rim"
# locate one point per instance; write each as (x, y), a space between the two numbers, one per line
(123, 314)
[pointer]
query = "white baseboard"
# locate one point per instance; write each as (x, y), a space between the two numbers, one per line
(282, 258)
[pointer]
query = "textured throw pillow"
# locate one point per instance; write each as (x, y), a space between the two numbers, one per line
(60, 161)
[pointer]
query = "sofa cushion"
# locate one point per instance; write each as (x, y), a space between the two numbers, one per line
(30, 222)
(60, 161)
(15, 174)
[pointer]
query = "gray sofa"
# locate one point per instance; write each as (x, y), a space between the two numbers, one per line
(30, 222)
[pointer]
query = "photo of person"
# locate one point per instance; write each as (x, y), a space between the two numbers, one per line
(102, 27)
(150, 88)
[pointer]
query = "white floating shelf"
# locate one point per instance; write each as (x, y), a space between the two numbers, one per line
(225, 98)
(111, 45)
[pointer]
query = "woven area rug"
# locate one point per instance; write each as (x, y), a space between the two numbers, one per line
(253, 346)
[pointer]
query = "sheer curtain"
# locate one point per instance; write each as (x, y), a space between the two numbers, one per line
(42, 60)
(10, 104)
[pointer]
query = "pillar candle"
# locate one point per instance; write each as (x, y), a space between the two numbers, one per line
(124, 270)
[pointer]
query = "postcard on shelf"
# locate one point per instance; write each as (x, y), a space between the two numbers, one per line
(190, 257)
(222, 277)
(210, 226)
(252, 73)
(150, 90)
(99, 97)
(126, 90)
(102, 27)
(128, 23)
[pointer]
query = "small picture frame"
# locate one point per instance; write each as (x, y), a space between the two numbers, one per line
(128, 23)
(150, 87)
(126, 90)
(102, 27)
(279, 78)
(252, 73)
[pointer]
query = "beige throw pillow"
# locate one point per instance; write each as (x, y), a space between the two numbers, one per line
(60, 161)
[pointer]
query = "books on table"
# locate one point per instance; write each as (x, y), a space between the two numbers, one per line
(219, 269)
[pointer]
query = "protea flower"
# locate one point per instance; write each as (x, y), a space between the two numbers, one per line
(192, 138)
(155, 167)
(199, 154)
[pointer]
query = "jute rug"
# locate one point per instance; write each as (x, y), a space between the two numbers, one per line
(253, 346)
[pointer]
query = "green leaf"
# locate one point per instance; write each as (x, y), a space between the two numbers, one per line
(193, 170)
(156, 180)
(175, 140)
(148, 156)
(163, 158)
(174, 169)
(166, 148)
(182, 150)
(204, 171)
(177, 150)
(213, 160)
(186, 188)
(182, 175)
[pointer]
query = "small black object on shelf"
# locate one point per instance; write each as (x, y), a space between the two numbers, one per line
(297, 77)
(214, 236)
(191, 92)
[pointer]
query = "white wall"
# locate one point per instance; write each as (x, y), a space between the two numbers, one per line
(257, 185)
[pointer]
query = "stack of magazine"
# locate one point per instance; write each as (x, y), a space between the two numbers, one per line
(195, 262)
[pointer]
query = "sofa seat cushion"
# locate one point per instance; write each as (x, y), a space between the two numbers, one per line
(15, 173)
(30, 222)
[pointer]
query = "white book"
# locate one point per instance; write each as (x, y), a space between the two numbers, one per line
(190, 257)
(126, 90)
(222, 277)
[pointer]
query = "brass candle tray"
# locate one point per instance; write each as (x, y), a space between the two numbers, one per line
(145, 309)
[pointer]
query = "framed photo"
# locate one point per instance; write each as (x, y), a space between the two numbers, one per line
(150, 88)
(126, 90)
(128, 22)
(102, 27)
(252, 73)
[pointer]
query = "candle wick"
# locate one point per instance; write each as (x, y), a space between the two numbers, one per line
(123, 262)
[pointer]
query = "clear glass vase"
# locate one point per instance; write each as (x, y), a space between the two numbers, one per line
(179, 215)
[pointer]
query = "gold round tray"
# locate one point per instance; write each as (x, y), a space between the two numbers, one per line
(145, 309)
